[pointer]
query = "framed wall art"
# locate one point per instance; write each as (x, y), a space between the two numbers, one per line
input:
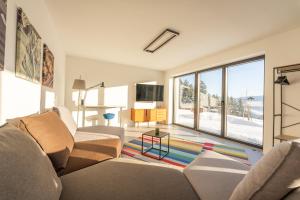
(3, 10)
(48, 67)
(28, 49)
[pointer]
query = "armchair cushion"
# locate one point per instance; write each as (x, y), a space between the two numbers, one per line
(90, 152)
(111, 147)
(82, 158)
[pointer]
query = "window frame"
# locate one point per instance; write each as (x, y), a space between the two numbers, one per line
(223, 134)
(195, 100)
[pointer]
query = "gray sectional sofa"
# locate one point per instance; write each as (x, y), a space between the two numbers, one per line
(27, 173)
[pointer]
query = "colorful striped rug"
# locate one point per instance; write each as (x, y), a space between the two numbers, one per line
(181, 153)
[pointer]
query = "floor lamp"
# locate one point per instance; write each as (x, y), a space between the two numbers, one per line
(79, 85)
(101, 84)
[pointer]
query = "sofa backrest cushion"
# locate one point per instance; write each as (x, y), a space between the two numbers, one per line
(17, 122)
(274, 176)
(25, 170)
(52, 135)
(67, 118)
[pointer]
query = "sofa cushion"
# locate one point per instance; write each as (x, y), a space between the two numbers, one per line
(53, 136)
(111, 147)
(67, 118)
(126, 179)
(274, 176)
(81, 158)
(91, 152)
(214, 176)
(25, 170)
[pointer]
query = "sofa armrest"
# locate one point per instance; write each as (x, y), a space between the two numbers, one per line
(215, 176)
(117, 131)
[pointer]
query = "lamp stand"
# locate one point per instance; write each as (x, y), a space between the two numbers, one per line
(78, 104)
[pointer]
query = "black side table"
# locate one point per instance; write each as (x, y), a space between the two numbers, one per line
(161, 135)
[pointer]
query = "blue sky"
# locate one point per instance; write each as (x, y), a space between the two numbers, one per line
(244, 79)
(213, 81)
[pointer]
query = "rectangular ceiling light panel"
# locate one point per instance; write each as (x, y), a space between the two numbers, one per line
(161, 40)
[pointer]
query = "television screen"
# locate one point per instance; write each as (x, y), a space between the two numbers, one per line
(149, 92)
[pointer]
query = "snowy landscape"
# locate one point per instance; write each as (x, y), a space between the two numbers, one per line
(237, 127)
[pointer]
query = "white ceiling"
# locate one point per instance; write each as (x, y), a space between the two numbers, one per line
(118, 30)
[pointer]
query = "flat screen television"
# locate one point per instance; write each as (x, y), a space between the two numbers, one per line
(149, 92)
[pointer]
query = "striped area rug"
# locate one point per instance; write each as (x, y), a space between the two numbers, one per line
(181, 153)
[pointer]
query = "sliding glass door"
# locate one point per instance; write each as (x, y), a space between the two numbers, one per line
(210, 101)
(245, 98)
(229, 101)
(184, 100)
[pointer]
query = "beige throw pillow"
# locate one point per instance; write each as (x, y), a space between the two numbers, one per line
(25, 170)
(52, 135)
(273, 177)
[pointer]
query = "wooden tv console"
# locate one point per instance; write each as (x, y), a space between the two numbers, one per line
(149, 115)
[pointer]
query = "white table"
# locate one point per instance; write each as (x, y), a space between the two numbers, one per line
(99, 107)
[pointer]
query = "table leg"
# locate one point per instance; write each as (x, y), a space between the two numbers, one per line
(152, 142)
(83, 116)
(168, 143)
(142, 144)
(159, 149)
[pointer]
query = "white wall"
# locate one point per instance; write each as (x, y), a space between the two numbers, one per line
(17, 96)
(282, 49)
(95, 71)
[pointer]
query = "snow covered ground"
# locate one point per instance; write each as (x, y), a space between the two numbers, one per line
(237, 127)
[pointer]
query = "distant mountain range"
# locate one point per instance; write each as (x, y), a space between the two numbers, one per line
(256, 98)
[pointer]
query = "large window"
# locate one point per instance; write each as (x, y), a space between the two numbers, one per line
(210, 101)
(184, 100)
(116, 96)
(229, 101)
(245, 98)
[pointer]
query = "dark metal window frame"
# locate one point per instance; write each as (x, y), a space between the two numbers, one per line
(196, 99)
(224, 103)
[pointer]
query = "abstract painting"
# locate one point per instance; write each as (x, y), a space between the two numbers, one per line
(3, 6)
(29, 49)
(48, 68)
